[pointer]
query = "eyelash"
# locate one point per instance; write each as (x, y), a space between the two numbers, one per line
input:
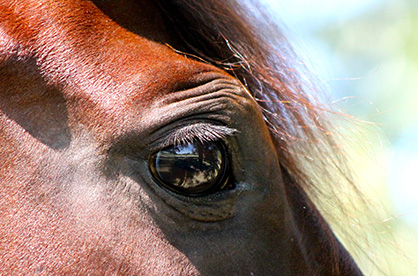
(202, 132)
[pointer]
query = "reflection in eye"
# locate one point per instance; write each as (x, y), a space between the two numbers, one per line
(191, 169)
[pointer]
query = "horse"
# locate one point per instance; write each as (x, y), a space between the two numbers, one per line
(158, 138)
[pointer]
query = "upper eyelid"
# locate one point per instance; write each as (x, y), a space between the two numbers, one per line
(143, 143)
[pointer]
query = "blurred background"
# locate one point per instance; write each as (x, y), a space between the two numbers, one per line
(365, 53)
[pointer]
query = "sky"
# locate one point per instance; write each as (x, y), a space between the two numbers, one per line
(303, 19)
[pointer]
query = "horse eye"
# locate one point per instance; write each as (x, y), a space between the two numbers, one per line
(192, 169)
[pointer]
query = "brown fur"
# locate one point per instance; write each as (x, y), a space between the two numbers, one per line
(79, 93)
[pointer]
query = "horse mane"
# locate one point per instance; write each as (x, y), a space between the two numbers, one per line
(259, 56)
(242, 39)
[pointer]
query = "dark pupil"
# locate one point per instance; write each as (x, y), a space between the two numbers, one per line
(191, 169)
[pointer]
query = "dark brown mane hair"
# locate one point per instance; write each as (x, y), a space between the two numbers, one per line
(257, 53)
(241, 38)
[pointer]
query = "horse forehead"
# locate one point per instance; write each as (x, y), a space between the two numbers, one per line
(130, 76)
(82, 49)
(130, 79)
(107, 74)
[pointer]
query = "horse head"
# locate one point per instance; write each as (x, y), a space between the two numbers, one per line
(122, 154)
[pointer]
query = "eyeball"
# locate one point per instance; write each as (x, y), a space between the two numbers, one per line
(191, 169)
